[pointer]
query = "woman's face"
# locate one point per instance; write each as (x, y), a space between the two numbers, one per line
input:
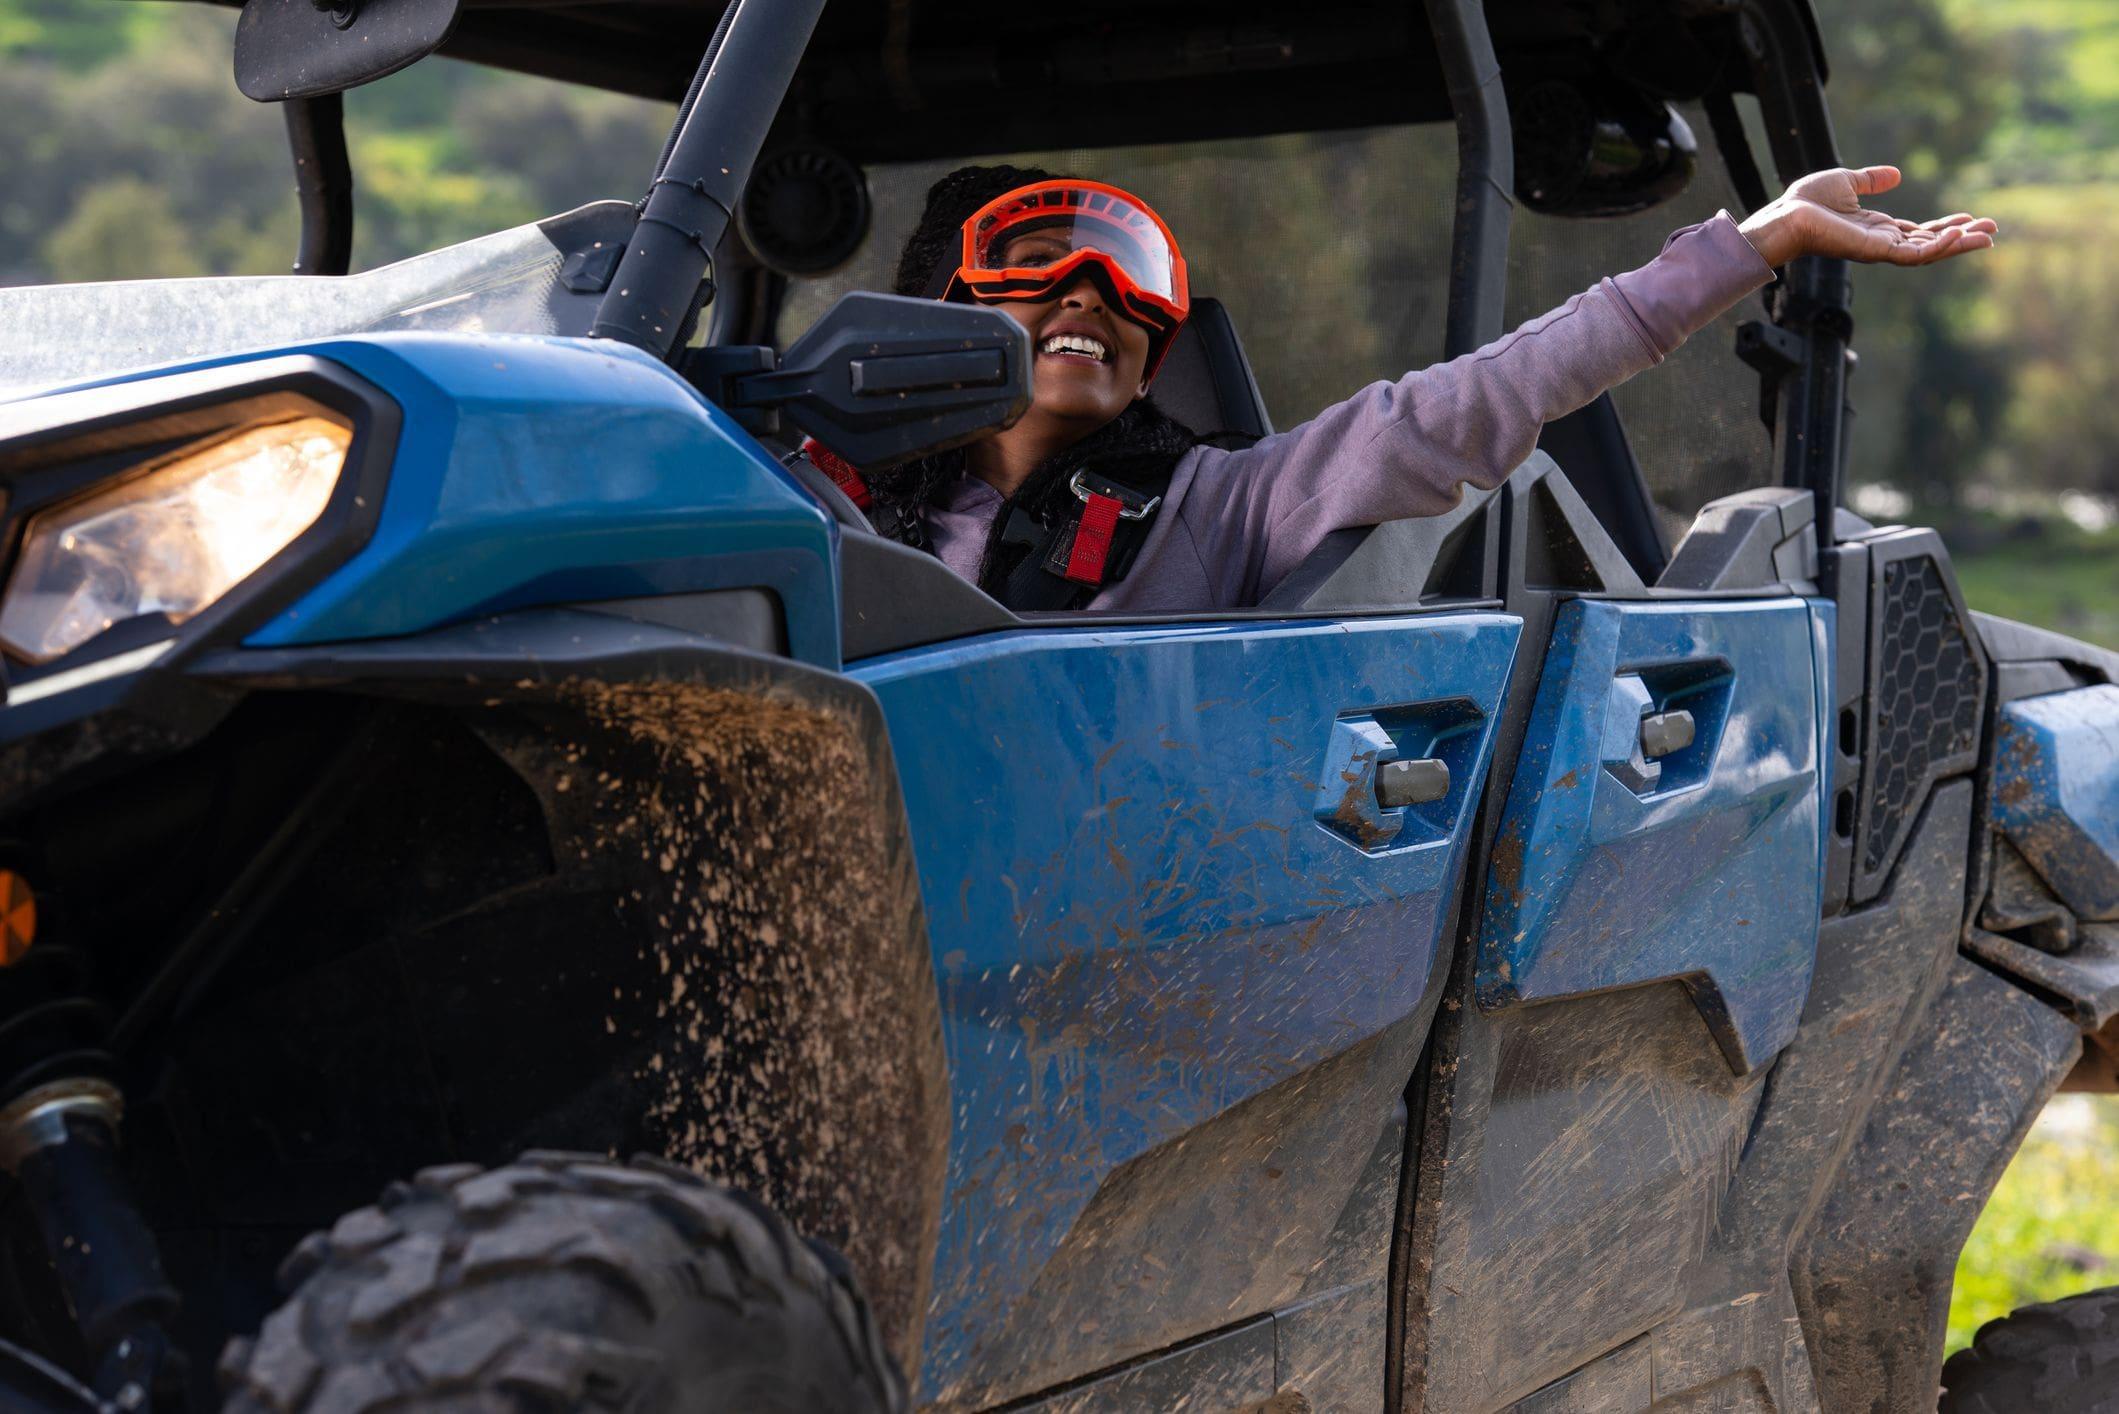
(1089, 362)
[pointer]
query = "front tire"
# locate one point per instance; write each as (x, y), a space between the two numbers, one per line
(2061, 1357)
(563, 1282)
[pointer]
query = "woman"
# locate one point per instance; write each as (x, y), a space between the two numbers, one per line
(1096, 499)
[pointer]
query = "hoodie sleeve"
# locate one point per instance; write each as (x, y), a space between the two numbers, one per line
(1396, 450)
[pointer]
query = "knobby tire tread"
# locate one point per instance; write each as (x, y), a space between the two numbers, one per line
(2061, 1357)
(563, 1282)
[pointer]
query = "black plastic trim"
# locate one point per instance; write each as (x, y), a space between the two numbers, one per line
(1553, 542)
(753, 619)
(1758, 538)
(1886, 550)
(893, 596)
(2007, 641)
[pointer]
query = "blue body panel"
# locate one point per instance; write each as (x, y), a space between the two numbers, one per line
(534, 471)
(2056, 793)
(1148, 896)
(1612, 871)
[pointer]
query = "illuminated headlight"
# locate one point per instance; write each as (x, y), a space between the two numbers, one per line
(170, 539)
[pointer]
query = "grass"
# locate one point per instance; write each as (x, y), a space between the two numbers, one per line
(2052, 1227)
(2045, 574)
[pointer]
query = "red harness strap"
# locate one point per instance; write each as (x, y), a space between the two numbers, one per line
(1092, 540)
(841, 471)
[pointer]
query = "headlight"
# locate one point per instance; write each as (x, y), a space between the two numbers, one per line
(170, 539)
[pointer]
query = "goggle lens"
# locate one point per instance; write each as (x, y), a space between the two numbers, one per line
(1044, 225)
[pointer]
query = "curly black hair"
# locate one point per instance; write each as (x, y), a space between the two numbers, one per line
(931, 251)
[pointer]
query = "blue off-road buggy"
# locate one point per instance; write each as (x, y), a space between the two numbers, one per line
(1521, 965)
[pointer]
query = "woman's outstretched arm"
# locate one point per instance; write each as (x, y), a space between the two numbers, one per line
(1408, 448)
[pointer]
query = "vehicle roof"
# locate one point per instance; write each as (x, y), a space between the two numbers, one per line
(887, 80)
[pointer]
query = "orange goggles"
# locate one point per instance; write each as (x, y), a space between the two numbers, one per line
(1035, 242)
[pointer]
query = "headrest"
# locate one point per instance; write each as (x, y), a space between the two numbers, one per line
(1205, 381)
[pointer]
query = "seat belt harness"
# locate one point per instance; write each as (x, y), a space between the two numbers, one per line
(1062, 565)
(1084, 547)
(842, 472)
(1092, 540)
(1068, 561)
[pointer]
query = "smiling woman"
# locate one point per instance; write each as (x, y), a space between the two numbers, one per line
(1097, 499)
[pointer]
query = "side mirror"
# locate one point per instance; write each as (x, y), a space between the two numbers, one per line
(1601, 151)
(879, 379)
(308, 48)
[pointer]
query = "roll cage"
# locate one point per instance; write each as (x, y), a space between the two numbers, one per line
(923, 79)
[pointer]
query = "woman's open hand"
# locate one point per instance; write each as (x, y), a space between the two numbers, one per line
(1822, 215)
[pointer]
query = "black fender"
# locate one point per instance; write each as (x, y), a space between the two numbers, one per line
(580, 880)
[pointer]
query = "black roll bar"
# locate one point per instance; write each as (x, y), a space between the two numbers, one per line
(1803, 355)
(692, 201)
(1486, 174)
(323, 181)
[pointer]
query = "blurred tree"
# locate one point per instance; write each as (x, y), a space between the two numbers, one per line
(541, 134)
(95, 93)
(73, 35)
(409, 198)
(1908, 88)
(122, 228)
(2049, 298)
(30, 105)
(2054, 300)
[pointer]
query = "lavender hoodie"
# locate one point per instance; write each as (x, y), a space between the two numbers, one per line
(1233, 523)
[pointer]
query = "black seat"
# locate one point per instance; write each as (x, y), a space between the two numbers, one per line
(1205, 381)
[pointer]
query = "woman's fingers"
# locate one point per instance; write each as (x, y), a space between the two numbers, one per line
(1945, 241)
(1929, 247)
(1924, 242)
(1836, 222)
(1942, 223)
(1921, 247)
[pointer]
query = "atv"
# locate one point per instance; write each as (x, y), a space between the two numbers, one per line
(448, 752)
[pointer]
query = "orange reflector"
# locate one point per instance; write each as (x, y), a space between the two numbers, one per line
(18, 917)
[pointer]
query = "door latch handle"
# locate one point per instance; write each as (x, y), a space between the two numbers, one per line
(1420, 782)
(1665, 733)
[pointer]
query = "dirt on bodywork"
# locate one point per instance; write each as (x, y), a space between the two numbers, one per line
(788, 1039)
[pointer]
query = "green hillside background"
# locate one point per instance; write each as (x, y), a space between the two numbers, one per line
(1988, 399)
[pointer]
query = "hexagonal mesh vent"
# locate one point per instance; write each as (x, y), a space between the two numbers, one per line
(1927, 691)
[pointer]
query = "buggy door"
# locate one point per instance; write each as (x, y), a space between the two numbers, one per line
(1187, 889)
(1666, 818)
(1649, 933)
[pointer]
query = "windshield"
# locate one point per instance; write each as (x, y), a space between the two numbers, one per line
(1331, 253)
(511, 282)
